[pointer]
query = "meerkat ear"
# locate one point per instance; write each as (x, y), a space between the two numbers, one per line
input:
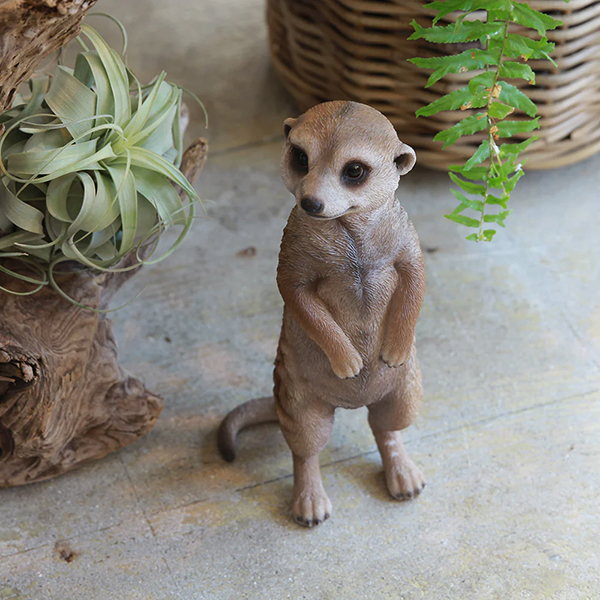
(287, 126)
(406, 159)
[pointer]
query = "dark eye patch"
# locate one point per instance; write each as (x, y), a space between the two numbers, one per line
(354, 172)
(299, 159)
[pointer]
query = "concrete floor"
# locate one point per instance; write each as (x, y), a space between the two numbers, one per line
(509, 432)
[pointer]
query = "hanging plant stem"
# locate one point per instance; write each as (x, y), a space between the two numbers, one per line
(488, 177)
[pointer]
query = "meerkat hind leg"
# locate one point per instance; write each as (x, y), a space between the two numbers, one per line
(404, 479)
(311, 506)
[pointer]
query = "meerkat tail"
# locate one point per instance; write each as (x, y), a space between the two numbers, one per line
(253, 412)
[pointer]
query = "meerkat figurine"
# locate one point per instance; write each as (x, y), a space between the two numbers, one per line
(352, 277)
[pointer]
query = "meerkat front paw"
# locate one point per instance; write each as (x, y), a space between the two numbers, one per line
(393, 357)
(311, 508)
(349, 367)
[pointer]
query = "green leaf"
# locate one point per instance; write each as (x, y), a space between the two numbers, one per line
(491, 199)
(467, 126)
(473, 173)
(452, 101)
(460, 32)
(468, 186)
(499, 110)
(510, 184)
(482, 153)
(468, 60)
(485, 80)
(515, 97)
(488, 234)
(499, 218)
(445, 7)
(463, 220)
(506, 149)
(515, 70)
(476, 205)
(524, 15)
(509, 128)
(516, 46)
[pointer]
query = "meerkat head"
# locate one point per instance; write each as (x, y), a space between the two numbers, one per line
(342, 158)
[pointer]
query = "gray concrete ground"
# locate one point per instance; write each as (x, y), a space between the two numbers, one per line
(508, 436)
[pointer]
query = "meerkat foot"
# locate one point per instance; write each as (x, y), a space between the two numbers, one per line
(404, 479)
(310, 506)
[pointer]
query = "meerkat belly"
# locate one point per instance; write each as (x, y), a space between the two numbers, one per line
(358, 300)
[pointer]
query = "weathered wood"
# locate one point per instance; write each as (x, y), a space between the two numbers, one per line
(64, 399)
(31, 30)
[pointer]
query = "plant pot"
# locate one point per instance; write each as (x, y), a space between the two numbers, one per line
(358, 50)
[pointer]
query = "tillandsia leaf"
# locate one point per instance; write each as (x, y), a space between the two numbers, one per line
(22, 215)
(89, 164)
(72, 101)
(116, 74)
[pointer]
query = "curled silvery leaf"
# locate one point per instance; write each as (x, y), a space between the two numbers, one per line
(88, 163)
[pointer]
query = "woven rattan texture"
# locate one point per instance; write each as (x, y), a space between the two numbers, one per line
(358, 50)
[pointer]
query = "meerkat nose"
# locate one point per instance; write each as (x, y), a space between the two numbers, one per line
(311, 205)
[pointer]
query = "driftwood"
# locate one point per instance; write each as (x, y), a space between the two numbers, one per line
(31, 30)
(64, 399)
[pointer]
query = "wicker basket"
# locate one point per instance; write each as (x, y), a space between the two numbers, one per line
(358, 50)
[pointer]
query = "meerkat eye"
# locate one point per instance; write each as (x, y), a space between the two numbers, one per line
(354, 173)
(300, 159)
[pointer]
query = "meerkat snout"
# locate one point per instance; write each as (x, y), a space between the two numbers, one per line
(311, 205)
(343, 158)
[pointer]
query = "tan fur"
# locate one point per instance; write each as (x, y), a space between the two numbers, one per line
(352, 278)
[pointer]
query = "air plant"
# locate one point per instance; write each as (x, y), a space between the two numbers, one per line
(88, 163)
